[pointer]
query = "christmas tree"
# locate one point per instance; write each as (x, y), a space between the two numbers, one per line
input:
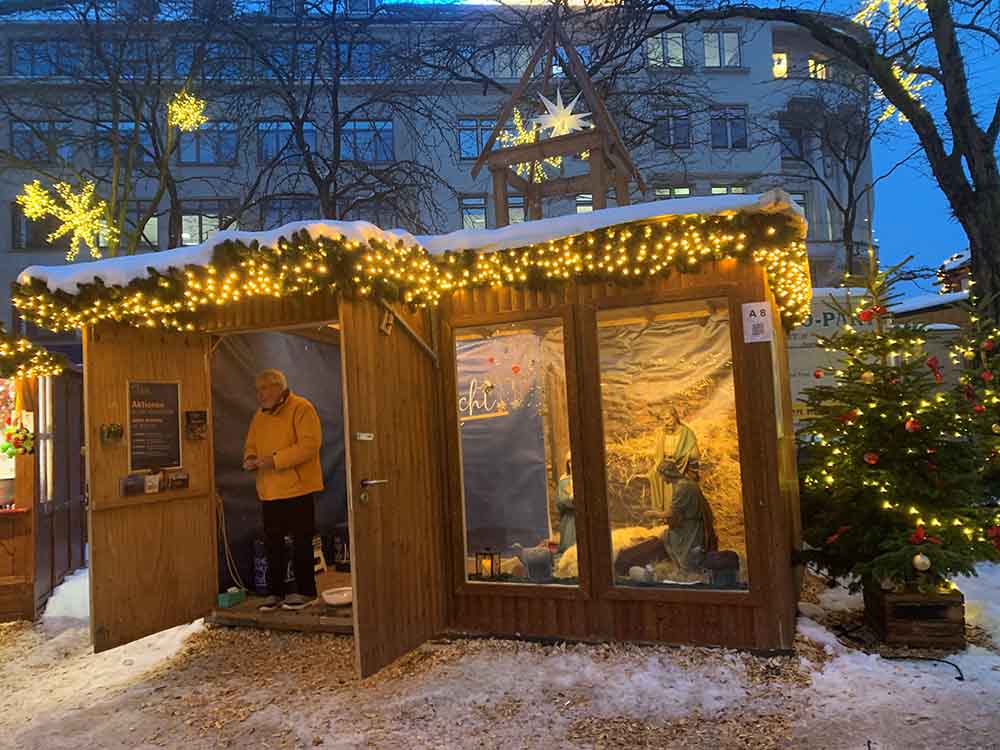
(890, 473)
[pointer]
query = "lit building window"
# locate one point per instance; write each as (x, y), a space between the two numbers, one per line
(818, 69)
(584, 203)
(722, 49)
(663, 193)
(729, 190)
(779, 64)
(515, 209)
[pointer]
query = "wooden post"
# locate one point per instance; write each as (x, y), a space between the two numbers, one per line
(501, 210)
(533, 202)
(622, 197)
(599, 179)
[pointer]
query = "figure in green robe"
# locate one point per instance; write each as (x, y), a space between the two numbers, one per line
(567, 511)
(690, 533)
(676, 450)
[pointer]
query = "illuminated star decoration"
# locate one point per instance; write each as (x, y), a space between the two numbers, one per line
(186, 112)
(80, 215)
(910, 84)
(559, 118)
(871, 9)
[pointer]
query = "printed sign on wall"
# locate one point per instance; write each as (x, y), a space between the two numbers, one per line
(154, 426)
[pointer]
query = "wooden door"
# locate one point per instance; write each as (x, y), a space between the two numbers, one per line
(392, 433)
(75, 468)
(153, 562)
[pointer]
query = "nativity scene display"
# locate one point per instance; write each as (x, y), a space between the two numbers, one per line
(674, 493)
(520, 518)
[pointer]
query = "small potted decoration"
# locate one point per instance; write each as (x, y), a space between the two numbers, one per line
(17, 439)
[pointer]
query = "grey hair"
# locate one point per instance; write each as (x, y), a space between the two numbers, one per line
(272, 376)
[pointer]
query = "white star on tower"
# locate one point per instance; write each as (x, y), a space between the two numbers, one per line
(560, 118)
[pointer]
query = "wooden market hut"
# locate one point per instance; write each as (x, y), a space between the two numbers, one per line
(403, 308)
(42, 516)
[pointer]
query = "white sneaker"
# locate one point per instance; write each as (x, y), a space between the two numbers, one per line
(270, 604)
(296, 601)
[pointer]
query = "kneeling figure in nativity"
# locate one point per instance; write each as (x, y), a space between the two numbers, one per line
(690, 533)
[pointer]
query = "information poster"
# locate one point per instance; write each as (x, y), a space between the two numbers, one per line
(154, 426)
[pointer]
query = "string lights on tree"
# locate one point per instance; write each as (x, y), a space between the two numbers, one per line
(890, 475)
(872, 9)
(186, 112)
(912, 87)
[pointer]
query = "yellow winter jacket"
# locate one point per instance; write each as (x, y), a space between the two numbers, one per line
(292, 436)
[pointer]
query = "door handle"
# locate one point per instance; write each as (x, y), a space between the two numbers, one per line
(365, 484)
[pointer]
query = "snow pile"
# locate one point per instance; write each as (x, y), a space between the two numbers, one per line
(70, 600)
(927, 301)
(982, 598)
(859, 697)
(121, 270)
(72, 671)
(532, 232)
(663, 685)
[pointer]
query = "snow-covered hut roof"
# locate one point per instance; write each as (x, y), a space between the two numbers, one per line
(419, 269)
(927, 302)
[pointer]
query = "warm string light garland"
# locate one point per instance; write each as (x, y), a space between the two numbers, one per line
(302, 265)
(19, 358)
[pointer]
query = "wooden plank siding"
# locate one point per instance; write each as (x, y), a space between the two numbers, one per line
(762, 618)
(397, 539)
(153, 557)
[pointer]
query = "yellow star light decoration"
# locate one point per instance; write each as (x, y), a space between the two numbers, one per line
(912, 87)
(80, 215)
(524, 134)
(186, 112)
(871, 9)
(560, 119)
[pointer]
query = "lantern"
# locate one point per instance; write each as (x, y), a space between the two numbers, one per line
(487, 564)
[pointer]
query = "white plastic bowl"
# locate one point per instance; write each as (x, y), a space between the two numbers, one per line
(338, 597)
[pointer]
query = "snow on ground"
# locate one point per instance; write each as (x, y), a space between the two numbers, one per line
(196, 688)
(982, 598)
(58, 668)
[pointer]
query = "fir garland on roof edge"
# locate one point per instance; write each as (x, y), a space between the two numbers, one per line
(20, 358)
(302, 265)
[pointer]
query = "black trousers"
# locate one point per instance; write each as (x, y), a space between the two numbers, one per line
(292, 517)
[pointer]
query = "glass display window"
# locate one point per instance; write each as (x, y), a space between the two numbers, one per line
(514, 436)
(673, 482)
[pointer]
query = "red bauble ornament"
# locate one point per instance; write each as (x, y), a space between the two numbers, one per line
(932, 450)
(848, 417)
(934, 363)
(938, 377)
(988, 346)
(866, 315)
(515, 369)
(879, 310)
(871, 458)
(912, 425)
(979, 408)
(817, 373)
(987, 376)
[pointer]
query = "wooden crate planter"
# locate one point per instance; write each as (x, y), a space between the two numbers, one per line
(934, 620)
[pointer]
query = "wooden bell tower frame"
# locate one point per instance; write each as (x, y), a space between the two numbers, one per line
(609, 161)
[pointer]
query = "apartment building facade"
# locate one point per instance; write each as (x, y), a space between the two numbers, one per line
(705, 109)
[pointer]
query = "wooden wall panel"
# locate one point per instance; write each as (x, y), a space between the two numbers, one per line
(397, 536)
(762, 618)
(153, 558)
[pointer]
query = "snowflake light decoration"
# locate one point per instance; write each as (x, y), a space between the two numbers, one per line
(560, 119)
(871, 9)
(186, 111)
(912, 87)
(81, 215)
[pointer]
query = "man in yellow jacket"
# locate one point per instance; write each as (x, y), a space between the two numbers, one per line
(282, 446)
